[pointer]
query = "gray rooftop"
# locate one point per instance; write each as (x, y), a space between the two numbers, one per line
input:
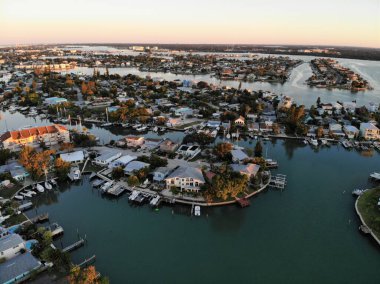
(17, 266)
(187, 172)
(10, 241)
(135, 166)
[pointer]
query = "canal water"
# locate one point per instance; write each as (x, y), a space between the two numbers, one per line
(307, 233)
(295, 87)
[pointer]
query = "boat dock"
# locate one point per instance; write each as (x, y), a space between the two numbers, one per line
(40, 218)
(243, 202)
(278, 181)
(116, 190)
(87, 261)
(74, 246)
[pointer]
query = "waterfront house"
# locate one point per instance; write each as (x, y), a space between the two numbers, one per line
(160, 174)
(351, 131)
(134, 166)
(134, 141)
(122, 161)
(335, 129)
(50, 135)
(168, 145)
(107, 157)
(369, 131)
(152, 143)
(73, 157)
(15, 169)
(183, 111)
(11, 245)
(17, 268)
(238, 155)
(189, 150)
(185, 179)
(248, 169)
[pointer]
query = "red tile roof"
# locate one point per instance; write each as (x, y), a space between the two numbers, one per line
(26, 133)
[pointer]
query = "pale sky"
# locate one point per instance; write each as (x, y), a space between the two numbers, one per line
(323, 22)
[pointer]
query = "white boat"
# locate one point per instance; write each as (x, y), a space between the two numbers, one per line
(26, 194)
(104, 188)
(40, 188)
(142, 128)
(375, 175)
(53, 182)
(48, 185)
(19, 197)
(31, 192)
(155, 129)
(197, 210)
(314, 142)
(358, 192)
(305, 142)
(55, 229)
(74, 174)
(155, 201)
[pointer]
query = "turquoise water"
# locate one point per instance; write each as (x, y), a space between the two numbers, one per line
(306, 234)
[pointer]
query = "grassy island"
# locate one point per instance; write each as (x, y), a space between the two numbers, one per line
(369, 210)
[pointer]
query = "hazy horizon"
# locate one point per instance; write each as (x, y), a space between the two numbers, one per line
(330, 23)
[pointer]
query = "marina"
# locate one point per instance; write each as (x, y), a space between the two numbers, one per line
(266, 228)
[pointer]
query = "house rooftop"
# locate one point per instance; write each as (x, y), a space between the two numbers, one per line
(186, 172)
(17, 266)
(10, 241)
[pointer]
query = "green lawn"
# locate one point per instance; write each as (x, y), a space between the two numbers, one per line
(370, 211)
(14, 220)
(9, 192)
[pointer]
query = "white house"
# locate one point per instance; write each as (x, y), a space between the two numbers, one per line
(238, 155)
(351, 131)
(189, 150)
(10, 245)
(135, 166)
(185, 178)
(160, 174)
(122, 161)
(106, 158)
(369, 131)
(73, 157)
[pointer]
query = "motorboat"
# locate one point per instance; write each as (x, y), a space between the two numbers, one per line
(40, 188)
(75, 174)
(48, 185)
(314, 142)
(197, 210)
(19, 197)
(358, 192)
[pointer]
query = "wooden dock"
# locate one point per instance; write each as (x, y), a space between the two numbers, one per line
(40, 218)
(243, 202)
(87, 261)
(74, 246)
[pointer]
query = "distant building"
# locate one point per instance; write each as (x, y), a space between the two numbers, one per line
(73, 157)
(351, 131)
(238, 155)
(122, 161)
(106, 158)
(240, 121)
(369, 131)
(10, 246)
(160, 174)
(135, 166)
(168, 145)
(54, 101)
(50, 135)
(135, 141)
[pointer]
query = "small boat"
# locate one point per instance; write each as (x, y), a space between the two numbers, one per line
(48, 185)
(55, 229)
(19, 197)
(357, 192)
(375, 176)
(305, 142)
(314, 142)
(26, 194)
(107, 124)
(53, 182)
(155, 201)
(141, 128)
(155, 129)
(31, 192)
(74, 174)
(197, 210)
(40, 188)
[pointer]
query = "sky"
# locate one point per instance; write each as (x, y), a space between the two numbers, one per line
(322, 22)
